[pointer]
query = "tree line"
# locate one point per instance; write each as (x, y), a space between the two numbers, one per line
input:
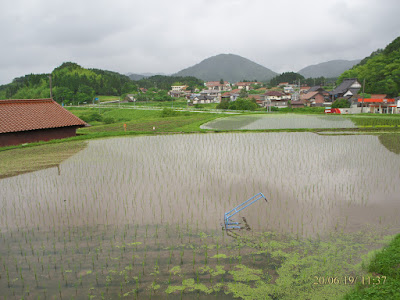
(70, 83)
(73, 84)
(381, 71)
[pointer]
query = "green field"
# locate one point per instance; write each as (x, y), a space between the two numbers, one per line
(176, 103)
(143, 120)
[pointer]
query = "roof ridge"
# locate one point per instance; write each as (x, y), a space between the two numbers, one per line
(25, 100)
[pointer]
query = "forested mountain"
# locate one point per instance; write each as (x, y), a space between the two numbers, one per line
(70, 82)
(381, 71)
(229, 67)
(289, 77)
(328, 69)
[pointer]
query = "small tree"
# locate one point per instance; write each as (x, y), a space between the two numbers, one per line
(243, 94)
(224, 104)
(341, 103)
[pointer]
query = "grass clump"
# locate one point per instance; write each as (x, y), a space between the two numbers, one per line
(303, 110)
(391, 141)
(93, 116)
(385, 266)
(168, 112)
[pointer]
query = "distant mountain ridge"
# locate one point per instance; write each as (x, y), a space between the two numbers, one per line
(137, 77)
(229, 67)
(329, 69)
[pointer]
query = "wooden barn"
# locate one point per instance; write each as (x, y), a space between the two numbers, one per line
(32, 120)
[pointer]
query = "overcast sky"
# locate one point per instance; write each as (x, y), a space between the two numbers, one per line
(167, 36)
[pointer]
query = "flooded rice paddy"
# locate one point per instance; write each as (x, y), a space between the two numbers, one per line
(141, 218)
(279, 121)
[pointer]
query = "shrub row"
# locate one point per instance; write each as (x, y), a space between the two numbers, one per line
(94, 116)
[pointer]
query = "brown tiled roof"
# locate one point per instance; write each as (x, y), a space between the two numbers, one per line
(216, 83)
(308, 96)
(28, 114)
(273, 93)
(378, 96)
(257, 97)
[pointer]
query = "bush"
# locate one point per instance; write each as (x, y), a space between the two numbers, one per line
(167, 112)
(223, 105)
(92, 117)
(241, 104)
(341, 103)
(109, 120)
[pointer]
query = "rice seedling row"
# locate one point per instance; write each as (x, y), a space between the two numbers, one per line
(140, 217)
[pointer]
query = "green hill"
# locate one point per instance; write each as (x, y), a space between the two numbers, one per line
(381, 71)
(70, 82)
(165, 82)
(328, 69)
(230, 67)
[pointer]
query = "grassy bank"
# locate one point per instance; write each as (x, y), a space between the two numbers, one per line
(384, 272)
(370, 120)
(113, 120)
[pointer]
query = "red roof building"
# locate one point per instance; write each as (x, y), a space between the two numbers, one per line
(27, 120)
(379, 105)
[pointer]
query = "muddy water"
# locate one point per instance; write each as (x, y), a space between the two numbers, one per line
(314, 184)
(137, 217)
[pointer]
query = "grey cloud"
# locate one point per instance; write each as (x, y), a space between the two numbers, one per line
(166, 36)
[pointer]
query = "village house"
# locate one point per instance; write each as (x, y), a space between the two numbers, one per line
(33, 120)
(378, 104)
(304, 89)
(288, 89)
(207, 96)
(312, 99)
(258, 98)
(315, 88)
(275, 98)
(283, 84)
(130, 98)
(178, 91)
(347, 89)
(230, 96)
(246, 85)
(297, 103)
(203, 98)
(217, 86)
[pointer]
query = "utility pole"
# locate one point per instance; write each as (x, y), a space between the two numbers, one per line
(51, 89)
(362, 103)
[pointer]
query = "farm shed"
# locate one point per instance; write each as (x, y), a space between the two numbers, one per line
(33, 120)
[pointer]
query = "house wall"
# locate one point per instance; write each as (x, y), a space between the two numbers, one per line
(319, 100)
(30, 136)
